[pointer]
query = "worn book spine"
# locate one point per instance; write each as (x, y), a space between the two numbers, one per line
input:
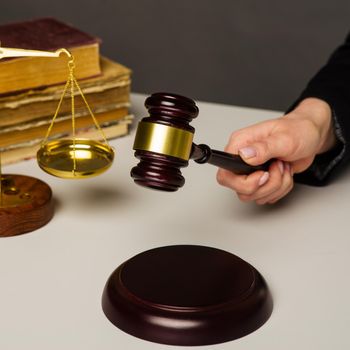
(62, 126)
(28, 114)
(111, 88)
(113, 74)
(28, 150)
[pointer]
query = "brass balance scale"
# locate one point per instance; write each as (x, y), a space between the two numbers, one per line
(26, 202)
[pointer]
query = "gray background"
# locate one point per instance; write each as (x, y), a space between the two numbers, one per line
(244, 52)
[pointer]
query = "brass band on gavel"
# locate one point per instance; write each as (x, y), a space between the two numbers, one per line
(163, 139)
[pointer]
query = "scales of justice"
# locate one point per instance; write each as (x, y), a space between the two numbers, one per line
(26, 202)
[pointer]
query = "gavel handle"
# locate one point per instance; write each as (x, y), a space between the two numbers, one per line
(204, 154)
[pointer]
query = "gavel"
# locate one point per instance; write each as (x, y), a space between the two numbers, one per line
(163, 144)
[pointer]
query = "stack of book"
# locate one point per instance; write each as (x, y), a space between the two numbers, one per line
(31, 88)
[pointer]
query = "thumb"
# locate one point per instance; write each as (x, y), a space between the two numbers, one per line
(273, 147)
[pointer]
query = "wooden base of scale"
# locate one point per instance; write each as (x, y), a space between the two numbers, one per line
(25, 204)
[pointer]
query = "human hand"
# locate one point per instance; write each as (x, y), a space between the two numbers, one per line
(292, 140)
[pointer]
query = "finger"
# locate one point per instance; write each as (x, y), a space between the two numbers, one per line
(276, 171)
(246, 136)
(288, 184)
(277, 146)
(277, 198)
(286, 187)
(246, 184)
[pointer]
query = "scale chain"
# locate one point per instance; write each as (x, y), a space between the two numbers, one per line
(71, 78)
(72, 83)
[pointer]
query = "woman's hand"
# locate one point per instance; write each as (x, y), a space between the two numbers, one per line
(293, 140)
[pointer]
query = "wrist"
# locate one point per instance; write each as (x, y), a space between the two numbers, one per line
(319, 113)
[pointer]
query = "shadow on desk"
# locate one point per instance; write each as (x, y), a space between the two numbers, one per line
(97, 198)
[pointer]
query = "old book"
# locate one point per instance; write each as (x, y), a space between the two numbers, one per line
(16, 136)
(47, 34)
(28, 150)
(109, 91)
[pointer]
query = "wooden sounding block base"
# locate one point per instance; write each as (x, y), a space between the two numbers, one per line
(26, 204)
(187, 295)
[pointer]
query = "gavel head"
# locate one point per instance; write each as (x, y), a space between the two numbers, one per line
(163, 141)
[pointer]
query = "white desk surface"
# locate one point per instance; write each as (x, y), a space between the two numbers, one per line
(51, 280)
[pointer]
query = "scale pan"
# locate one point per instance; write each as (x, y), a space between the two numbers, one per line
(75, 159)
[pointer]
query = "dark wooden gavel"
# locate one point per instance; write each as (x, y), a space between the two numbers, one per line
(163, 143)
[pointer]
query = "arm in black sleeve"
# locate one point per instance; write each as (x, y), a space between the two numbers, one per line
(332, 85)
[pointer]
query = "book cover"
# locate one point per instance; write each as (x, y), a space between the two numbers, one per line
(47, 34)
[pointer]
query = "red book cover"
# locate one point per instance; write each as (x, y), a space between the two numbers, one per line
(46, 34)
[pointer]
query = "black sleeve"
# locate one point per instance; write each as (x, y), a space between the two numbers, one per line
(332, 85)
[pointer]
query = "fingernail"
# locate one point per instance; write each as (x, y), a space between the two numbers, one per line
(288, 168)
(264, 178)
(281, 166)
(247, 152)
